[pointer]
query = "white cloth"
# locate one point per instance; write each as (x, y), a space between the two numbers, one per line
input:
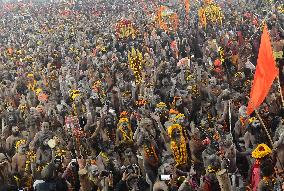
(37, 182)
(249, 65)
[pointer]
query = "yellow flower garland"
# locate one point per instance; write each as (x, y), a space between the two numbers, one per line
(178, 147)
(179, 151)
(161, 105)
(74, 94)
(60, 152)
(180, 115)
(135, 59)
(126, 136)
(31, 157)
(210, 12)
(20, 142)
(210, 169)
(261, 151)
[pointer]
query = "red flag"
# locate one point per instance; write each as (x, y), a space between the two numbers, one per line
(265, 73)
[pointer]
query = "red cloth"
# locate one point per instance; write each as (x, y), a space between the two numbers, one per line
(265, 73)
(240, 38)
(174, 48)
(255, 176)
(217, 63)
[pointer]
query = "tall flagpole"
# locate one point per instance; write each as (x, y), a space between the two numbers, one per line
(230, 117)
(280, 90)
(264, 127)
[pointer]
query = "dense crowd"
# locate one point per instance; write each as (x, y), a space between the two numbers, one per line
(138, 95)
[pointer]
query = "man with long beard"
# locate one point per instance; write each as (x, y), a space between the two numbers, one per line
(5, 180)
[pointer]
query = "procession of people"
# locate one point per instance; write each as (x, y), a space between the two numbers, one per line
(148, 95)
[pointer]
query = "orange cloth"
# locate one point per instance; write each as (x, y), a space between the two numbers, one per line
(265, 73)
(187, 7)
(217, 63)
(42, 97)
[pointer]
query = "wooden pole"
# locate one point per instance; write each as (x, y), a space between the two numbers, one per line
(264, 127)
(280, 91)
(230, 117)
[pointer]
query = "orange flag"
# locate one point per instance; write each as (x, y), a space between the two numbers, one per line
(265, 73)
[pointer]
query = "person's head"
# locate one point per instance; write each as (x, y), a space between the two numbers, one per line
(21, 146)
(180, 119)
(161, 107)
(48, 171)
(172, 114)
(266, 167)
(109, 119)
(165, 82)
(57, 162)
(15, 130)
(148, 125)
(4, 163)
(45, 126)
(176, 133)
(124, 123)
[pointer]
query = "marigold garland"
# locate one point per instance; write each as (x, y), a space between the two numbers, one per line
(180, 115)
(210, 169)
(261, 151)
(122, 120)
(178, 147)
(125, 29)
(31, 157)
(210, 12)
(127, 136)
(173, 111)
(252, 119)
(166, 19)
(135, 59)
(123, 114)
(20, 142)
(141, 102)
(161, 105)
(150, 151)
(179, 151)
(74, 94)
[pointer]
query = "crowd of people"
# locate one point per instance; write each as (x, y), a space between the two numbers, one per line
(138, 95)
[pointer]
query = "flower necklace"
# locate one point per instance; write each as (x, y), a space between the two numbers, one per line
(104, 156)
(269, 182)
(76, 110)
(111, 134)
(179, 151)
(126, 136)
(210, 169)
(149, 153)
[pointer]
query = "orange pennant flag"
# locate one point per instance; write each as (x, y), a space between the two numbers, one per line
(265, 73)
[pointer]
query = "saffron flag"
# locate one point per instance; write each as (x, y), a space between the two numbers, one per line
(265, 73)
